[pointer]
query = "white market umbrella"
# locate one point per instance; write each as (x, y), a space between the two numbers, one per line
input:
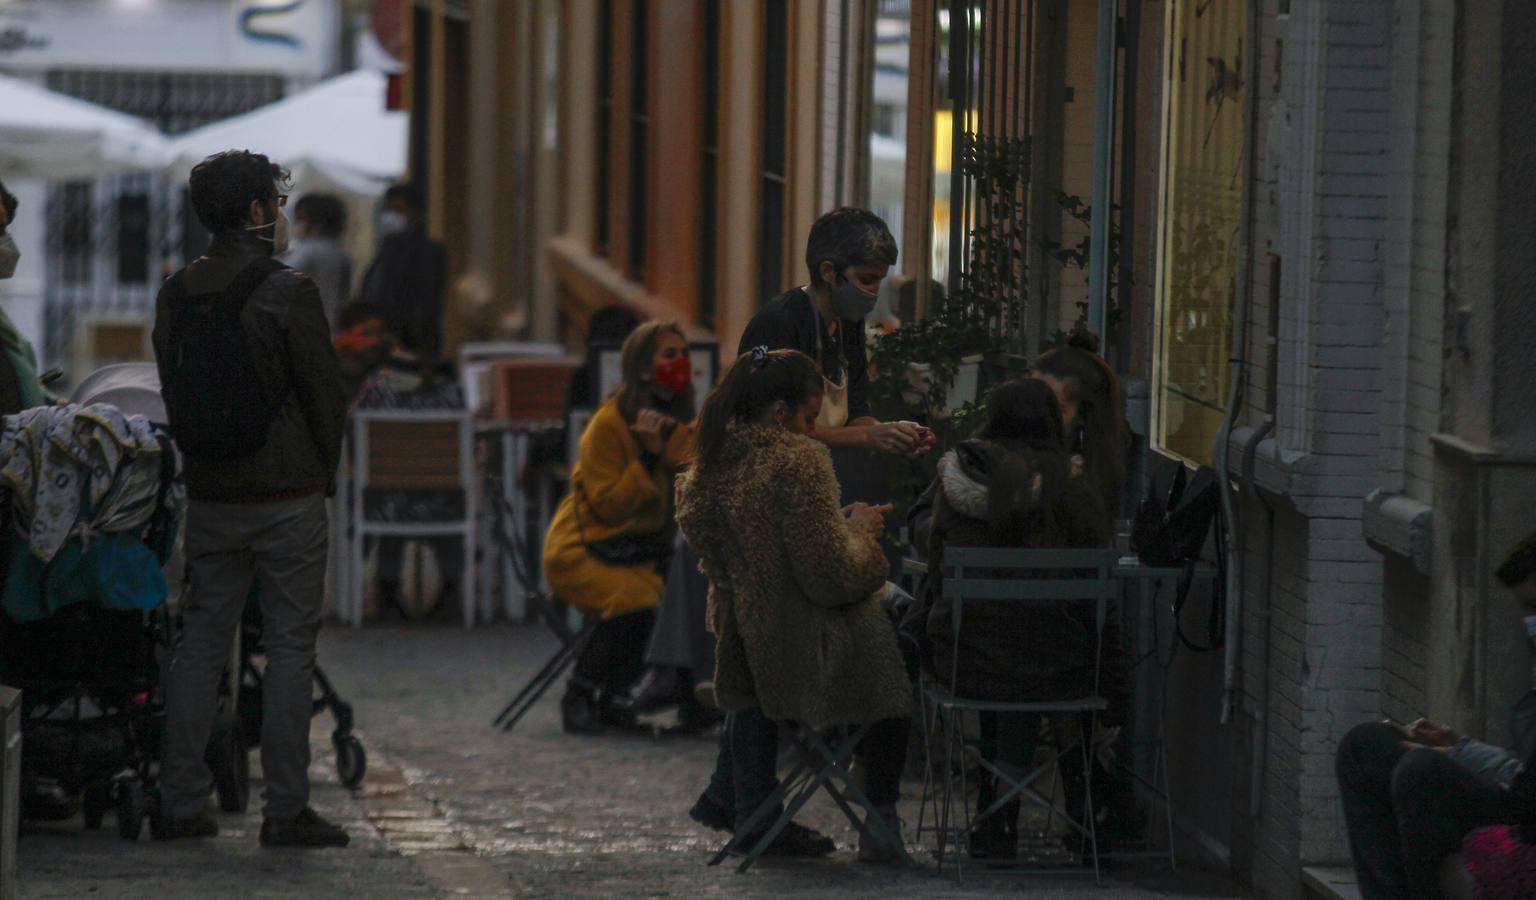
(335, 136)
(54, 137)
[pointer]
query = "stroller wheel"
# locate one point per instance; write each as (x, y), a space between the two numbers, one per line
(132, 807)
(230, 761)
(351, 760)
(95, 805)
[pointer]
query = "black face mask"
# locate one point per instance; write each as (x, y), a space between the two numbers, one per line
(852, 303)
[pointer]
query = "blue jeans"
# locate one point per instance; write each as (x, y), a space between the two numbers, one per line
(1408, 809)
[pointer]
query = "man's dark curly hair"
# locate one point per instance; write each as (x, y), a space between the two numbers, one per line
(223, 186)
(1520, 564)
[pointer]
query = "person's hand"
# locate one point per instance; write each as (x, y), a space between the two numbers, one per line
(871, 517)
(895, 437)
(1428, 734)
(926, 439)
(648, 427)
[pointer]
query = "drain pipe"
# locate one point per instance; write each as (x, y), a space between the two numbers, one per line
(1235, 562)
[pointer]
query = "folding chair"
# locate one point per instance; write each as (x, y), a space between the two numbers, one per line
(1042, 578)
(571, 642)
(412, 450)
(822, 758)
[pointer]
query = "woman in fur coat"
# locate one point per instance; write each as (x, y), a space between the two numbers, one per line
(796, 604)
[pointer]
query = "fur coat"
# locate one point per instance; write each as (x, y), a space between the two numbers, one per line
(796, 601)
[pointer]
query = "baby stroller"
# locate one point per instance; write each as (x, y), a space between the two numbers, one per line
(91, 499)
(237, 725)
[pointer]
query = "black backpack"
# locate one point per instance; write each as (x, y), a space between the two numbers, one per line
(212, 388)
(1171, 529)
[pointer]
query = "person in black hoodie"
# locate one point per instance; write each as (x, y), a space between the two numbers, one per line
(1013, 485)
(408, 276)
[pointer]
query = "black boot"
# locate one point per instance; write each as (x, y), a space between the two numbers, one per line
(579, 710)
(996, 836)
(659, 688)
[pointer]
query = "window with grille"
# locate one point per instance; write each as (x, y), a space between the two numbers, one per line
(775, 173)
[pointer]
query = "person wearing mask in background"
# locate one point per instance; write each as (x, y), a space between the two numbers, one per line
(254, 397)
(611, 538)
(19, 388)
(319, 224)
(406, 280)
(848, 254)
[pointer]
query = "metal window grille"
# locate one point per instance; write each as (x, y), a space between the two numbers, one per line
(109, 241)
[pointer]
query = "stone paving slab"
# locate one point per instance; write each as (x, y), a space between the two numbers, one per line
(563, 816)
(455, 808)
(63, 860)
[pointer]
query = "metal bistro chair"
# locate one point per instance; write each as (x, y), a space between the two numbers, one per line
(399, 449)
(1033, 577)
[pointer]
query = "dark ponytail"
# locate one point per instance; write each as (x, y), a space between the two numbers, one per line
(756, 381)
(1100, 412)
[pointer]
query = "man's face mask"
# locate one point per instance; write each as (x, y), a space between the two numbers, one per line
(278, 237)
(392, 221)
(852, 303)
(10, 255)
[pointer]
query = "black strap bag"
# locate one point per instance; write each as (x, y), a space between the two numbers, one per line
(1172, 525)
(218, 407)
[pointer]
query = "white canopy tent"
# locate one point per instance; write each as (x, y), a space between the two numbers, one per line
(54, 137)
(336, 136)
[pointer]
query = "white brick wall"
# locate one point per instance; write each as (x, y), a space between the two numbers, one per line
(1324, 193)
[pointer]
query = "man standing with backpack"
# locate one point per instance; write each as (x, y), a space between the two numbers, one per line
(254, 396)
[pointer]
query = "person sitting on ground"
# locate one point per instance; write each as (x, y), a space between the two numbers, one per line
(1011, 486)
(796, 597)
(611, 538)
(1411, 794)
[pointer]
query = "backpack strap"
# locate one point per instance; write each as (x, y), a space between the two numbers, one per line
(250, 278)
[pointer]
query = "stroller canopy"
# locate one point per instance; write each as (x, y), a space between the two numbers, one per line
(133, 388)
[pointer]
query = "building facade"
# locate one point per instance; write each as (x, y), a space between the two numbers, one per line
(1317, 285)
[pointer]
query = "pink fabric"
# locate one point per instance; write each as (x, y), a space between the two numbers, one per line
(1503, 866)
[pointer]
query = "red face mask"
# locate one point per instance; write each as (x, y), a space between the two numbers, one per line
(674, 374)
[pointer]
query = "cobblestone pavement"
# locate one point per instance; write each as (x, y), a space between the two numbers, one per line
(453, 807)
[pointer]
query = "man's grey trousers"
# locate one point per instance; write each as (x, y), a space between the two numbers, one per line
(282, 547)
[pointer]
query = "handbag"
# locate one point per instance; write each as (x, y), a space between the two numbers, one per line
(632, 549)
(1170, 531)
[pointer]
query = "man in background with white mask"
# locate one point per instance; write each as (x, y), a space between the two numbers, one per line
(406, 281)
(253, 392)
(19, 388)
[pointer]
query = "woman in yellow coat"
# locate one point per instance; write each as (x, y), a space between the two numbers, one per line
(611, 537)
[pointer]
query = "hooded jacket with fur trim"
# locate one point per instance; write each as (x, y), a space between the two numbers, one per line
(796, 587)
(1004, 494)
